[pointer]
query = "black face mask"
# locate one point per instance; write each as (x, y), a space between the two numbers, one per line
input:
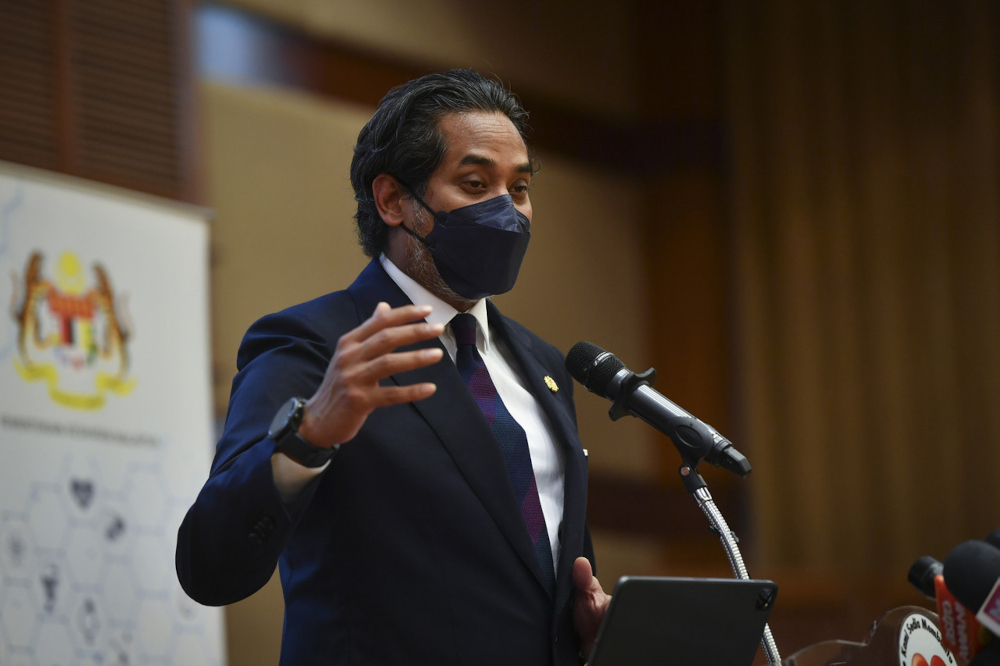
(478, 249)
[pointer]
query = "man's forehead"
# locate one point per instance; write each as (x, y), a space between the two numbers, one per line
(480, 137)
(472, 119)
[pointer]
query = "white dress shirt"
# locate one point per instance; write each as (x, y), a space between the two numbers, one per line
(546, 457)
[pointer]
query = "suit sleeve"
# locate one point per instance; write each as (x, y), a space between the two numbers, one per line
(230, 540)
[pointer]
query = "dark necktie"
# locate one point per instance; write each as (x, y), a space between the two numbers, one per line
(509, 435)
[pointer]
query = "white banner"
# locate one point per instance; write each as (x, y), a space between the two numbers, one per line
(105, 423)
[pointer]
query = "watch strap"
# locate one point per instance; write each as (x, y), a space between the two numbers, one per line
(304, 453)
(284, 433)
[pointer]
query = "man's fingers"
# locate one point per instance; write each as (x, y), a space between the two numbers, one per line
(388, 339)
(386, 317)
(394, 395)
(389, 364)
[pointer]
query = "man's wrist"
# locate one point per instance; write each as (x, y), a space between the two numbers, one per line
(285, 433)
(307, 427)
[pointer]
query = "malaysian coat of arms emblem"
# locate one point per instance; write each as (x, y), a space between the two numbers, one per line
(73, 333)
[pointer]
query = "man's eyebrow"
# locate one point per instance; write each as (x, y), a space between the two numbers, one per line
(477, 159)
(482, 160)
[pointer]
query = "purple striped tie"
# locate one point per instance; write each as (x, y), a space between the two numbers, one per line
(509, 435)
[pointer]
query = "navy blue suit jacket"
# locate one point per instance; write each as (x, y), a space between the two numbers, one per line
(410, 547)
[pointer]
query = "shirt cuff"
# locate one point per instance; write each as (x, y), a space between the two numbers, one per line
(290, 477)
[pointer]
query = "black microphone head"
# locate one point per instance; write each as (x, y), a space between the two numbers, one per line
(580, 360)
(922, 575)
(993, 538)
(593, 367)
(970, 572)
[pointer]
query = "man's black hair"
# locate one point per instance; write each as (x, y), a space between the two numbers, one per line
(403, 139)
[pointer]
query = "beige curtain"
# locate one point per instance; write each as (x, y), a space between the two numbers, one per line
(866, 231)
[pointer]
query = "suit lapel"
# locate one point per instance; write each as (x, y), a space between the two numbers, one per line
(456, 419)
(533, 371)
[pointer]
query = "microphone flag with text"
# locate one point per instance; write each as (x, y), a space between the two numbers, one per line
(966, 589)
(601, 372)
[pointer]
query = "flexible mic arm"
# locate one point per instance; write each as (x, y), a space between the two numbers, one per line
(601, 372)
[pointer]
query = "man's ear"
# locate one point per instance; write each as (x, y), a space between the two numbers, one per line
(389, 196)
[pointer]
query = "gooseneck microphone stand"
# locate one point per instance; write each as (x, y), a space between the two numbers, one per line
(696, 441)
(601, 372)
(698, 489)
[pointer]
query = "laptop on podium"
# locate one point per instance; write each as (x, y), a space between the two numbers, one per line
(687, 621)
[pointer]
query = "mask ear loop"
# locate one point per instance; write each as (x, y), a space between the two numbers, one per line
(430, 210)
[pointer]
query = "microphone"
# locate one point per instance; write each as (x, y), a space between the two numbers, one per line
(961, 633)
(602, 373)
(972, 570)
(922, 575)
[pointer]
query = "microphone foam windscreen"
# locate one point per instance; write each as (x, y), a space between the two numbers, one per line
(581, 358)
(993, 538)
(922, 574)
(580, 364)
(970, 572)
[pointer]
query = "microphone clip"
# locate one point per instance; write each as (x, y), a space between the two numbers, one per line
(629, 386)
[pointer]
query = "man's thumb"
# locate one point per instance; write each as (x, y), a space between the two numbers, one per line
(583, 573)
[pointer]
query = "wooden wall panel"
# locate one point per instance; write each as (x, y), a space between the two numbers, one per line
(687, 262)
(866, 173)
(28, 83)
(99, 89)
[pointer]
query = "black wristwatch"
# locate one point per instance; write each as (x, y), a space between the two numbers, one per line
(284, 433)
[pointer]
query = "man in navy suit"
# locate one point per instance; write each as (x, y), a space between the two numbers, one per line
(405, 453)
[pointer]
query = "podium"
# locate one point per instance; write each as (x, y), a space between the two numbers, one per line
(906, 636)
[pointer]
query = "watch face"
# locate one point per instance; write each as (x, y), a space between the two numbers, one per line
(282, 421)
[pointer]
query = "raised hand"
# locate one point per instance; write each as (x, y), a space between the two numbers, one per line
(350, 390)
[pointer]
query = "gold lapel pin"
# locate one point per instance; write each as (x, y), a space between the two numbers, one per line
(551, 383)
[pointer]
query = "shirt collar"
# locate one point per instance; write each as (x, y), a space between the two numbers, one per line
(441, 312)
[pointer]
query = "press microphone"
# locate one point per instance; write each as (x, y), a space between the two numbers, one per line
(601, 372)
(972, 570)
(961, 633)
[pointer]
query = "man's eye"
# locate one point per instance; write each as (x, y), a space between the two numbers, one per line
(520, 189)
(475, 184)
